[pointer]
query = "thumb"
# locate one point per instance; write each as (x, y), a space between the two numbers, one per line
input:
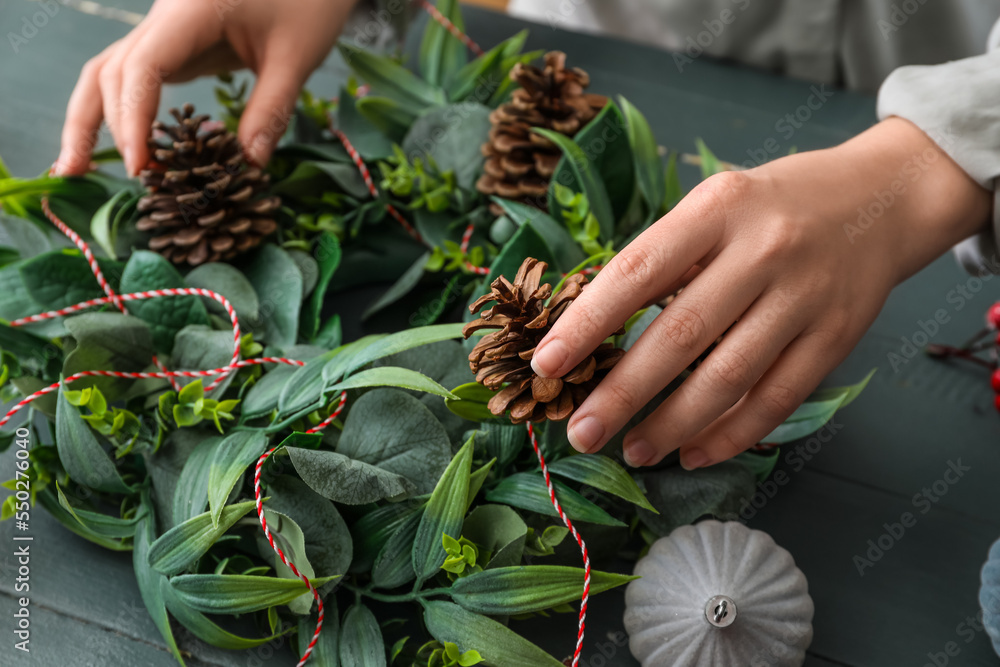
(270, 106)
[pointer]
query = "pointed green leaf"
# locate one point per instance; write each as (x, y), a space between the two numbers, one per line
(648, 165)
(444, 514)
(386, 77)
(527, 490)
(528, 588)
(81, 454)
(229, 461)
(180, 546)
(361, 643)
(603, 474)
(237, 593)
(586, 175)
(148, 580)
(393, 376)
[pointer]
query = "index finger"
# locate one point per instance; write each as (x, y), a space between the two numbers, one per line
(83, 119)
(639, 274)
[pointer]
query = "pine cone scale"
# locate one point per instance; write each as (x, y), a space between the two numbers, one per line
(520, 318)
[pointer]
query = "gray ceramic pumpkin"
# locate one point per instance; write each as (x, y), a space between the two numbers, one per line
(718, 594)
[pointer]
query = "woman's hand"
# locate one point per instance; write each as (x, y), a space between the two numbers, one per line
(281, 42)
(781, 258)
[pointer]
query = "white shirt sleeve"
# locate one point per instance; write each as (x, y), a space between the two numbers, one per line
(958, 105)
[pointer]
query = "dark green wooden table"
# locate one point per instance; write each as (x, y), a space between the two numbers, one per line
(911, 424)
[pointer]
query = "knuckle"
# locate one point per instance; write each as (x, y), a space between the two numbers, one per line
(635, 267)
(776, 401)
(683, 328)
(732, 370)
(623, 394)
(725, 189)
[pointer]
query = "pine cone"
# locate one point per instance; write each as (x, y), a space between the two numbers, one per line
(503, 357)
(519, 163)
(202, 202)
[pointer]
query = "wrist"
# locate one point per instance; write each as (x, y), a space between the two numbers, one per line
(915, 200)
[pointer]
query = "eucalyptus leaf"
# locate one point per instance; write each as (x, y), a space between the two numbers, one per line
(80, 453)
(196, 347)
(166, 316)
(396, 432)
(23, 235)
(108, 341)
(499, 531)
(62, 278)
(278, 284)
(230, 282)
(683, 496)
(347, 481)
(451, 136)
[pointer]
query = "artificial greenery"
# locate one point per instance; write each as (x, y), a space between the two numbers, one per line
(415, 498)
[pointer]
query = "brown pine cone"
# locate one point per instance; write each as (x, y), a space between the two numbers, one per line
(520, 163)
(203, 202)
(522, 315)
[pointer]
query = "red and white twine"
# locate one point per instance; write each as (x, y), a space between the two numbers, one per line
(119, 301)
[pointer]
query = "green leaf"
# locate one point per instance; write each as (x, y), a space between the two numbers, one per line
(288, 537)
(166, 316)
(388, 78)
(263, 396)
(228, 281)
(108, 341)
(566, 251)
(101, 227)
(606, 139)
(587, 177)
(649, 168)
(443, 515)
(373, 530)
(396, 432)
(278, 283)
(47, 498)
(403, 286)
(313, 177)
(528, 588)
(237, 593)
(710, 164)
(80, 453)
(391, 118)
(393, 376)
(441, 53)
(527, 491)
(451, 136)
(367, 140)
(180, 546)
(327, 254)
(361, 643)
(759, 463)
(328, 541)
(305, 390)
(229, 461)
(470, 402)
(393, 565)
(603, 474)
(526, 242)
(674, 191)
(62, 278)
(683, 496)
(817, 410)
(196, 347)
(191, 492)
(34, 353)
(345, 480)
(499, 531)
(504, 442)
(498, 645)
(97, 523)
(326, 652)
(24, 236)
(403, 340)
(148, 580)
(480, 78)
(208, 631)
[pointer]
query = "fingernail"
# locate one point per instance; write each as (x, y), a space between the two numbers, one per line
(549, 358)
(585, 434)
(638, 453)
(59, 166)
(693, 459)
